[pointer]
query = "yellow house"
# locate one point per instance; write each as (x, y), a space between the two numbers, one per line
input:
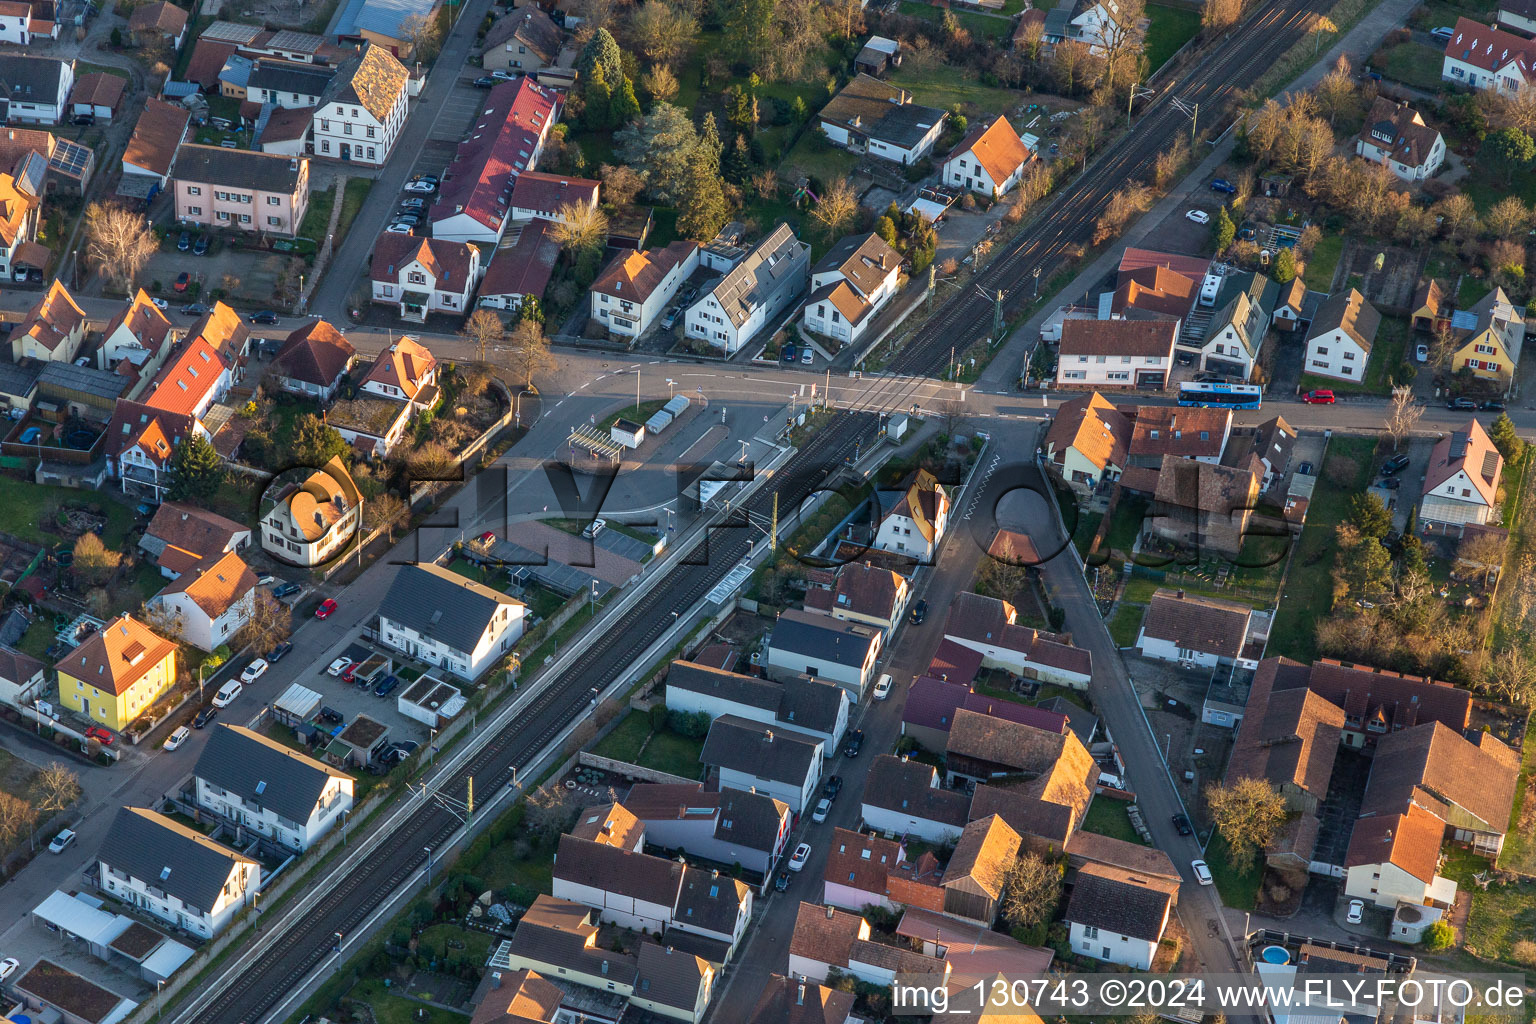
(1492, 349)
(117, 674)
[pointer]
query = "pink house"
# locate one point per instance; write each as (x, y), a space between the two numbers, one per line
(241, 189)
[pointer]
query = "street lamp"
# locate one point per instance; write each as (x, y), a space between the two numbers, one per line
(1037, 281)
(670, 384)
(428, 851)
(337, 947)
(159, 1006)
(256, 912)
(346, 817)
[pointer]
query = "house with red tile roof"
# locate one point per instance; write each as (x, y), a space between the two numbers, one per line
(1395, 136)
(141, 334)
(629, 296)
(871, 595)
(865, 870)
(22, 22)
(1487, 58)
(421, 276)
(1115, 353)
(192, 381)
(931, 704)
(140, 440)
(1193, 629)
(915, 522)
(20, 212)
(990, 159)
(97, 94)
(1088, 441)
(1461, 484)
(849, 287)
(180, 536)
(1395, 858)
(156, 136)
(988, 626)
(52, 330)
(540, 196)
(521, 270)
(313, 360)
(158, 23)
(506, 140)
(209, 603)
(404, 370)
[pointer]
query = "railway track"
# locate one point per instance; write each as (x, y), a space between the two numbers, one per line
(308, 939)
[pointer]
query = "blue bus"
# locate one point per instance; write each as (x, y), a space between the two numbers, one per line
(1221, 396)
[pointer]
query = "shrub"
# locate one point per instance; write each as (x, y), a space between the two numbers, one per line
(1524, 952)
(1439, 936)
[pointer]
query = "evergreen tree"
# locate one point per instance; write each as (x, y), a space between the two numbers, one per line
(1284, 270)
(598, 110)
(1504, 438)
(601, 51)
(624, 107)
(738, 165)
(197, 471)
(709, 144)
(702, 206)
(1223, 229)
(886, 229)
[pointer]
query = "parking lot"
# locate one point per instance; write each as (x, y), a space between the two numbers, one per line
(459, 111)
(358, 697)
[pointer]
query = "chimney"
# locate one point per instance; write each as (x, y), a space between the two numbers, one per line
(714, 873)
(830, 912)
(768, 735)
(495, 979)
(799, 997)
(1181, 595)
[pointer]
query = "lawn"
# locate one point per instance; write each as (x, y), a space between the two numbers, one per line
(1500, 917)
(1239, 888)
(1083, 532)
(1325, 260)
(1139, 590)
(977, 24)
(946, 86)
(1309, 587)
(353, 196)
(1389, 363)
(449, 941)
(317, 217)
(817, 157)
(1129, 517)
(1411, 63)
(1125, 624)
(1169, 28)
(635, 414)
(27, 505)
(1108, 817)
(389, 1008)
(626, 739)
(673, 753)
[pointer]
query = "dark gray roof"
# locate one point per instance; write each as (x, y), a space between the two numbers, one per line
(750, 820)
(1119, 901)
(811, 703)
(780, 261)
(84, 379)
(711, 901)
(18, 378)
(905, 124)
(237, 168)
(263, 771)
(897, 784)
(669, 976)
(289, 76)
(32, 79)
(802, 701)
(442, 605)
(765, 752)
(823, 637)
(160, 852)
(639, 876)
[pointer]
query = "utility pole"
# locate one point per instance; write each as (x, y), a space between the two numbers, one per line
(773, 534)
(470, 803)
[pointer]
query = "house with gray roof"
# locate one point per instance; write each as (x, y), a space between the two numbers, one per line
(880, 119)
(728, 826)
(174, 873)
(444, 619)
(34, 90)
(749, 755)
(818, 708)
(819, 646)
(747, 298)
(273, 790)
(672, 983)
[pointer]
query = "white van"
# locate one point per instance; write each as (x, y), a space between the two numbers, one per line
(227, 694)
(883, 687)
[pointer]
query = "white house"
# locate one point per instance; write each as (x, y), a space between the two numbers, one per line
(209, 603)
(750, 295)
(1395, 858)
(823, 938)
(1461, 483)
(850, 285)
(1396, 136)
(777, 762)
(1115, 353)
(990, 159)
(915, 523)
(540, 196)
(140, 441)
(1088, 441)
(1182, 627)
(990, 627)
(308, 516)
(21, 677)
(258, 784)
(1486, 58)
(362, 109)
(816, 645)
(1102, 24)
(141, 334)
(444, 619)
(520, 270)
(1119, 916)
(903, 797)
(34, 89)
(1233, 339)
(1519, 15)
(192, 381)
(730, 826)
(157, 134)
(19, 26)
(405, 371)
(1340, 338)
(626, 888)
(631, 293)
(874, 117)
(420, 276)
(816, 708)
(174, 873)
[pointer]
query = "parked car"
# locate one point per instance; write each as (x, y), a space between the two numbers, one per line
(1492, 405)
(807, 356)
(387, 686)
(1391, 483)
(1461, 404)
(200, 248)
(919, 613)
(184, 242)
(1305, 469)
(1320, 396)
(8, 967)
(183, 279)
(1181, 822)
(1396, 464)
(326, 608)
(415, 203)
(83, 119)
(883, 687)
(339, 666)
(670, 319)
(227, 694)
(265, 316)
(161, 305)
(100, 735)
(1421, 352)
(254, 671)
(504, 76)
(194, 309)
(177, 737)
(853, 743)
(422, 188)
(1198, 216)
(1202, 872)
(276, 654)
(206, 715)
(399, 229)
(349, 675)
(484, 82)
(832, 786)
(796, 862)
(283, 590)
(63, 839)
(1356, 912)
(823, 808)
(1224, 186)
(781, 883)
(1443, 34)
(430, 179)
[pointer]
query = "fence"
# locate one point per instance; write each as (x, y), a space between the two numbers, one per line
(628, 770)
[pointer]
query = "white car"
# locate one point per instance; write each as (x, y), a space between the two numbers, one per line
(822, 810)
(161, 305)
(61, 841)
(338, 666)
(1356, 912)
(265, 581)
(505, 76)
(177, 737)
(1421, 352)
(254, 670)
(1199, 216)
(1202, 872)
(801, 855)
(883, 687)
(8, 967)
(421, 188)
(399, 229)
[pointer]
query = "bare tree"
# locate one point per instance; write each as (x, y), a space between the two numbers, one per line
(94, 564)
(423, 35)
(430, 461)
(163, 619)
(119, 242)
(1124, 204)
(1443, 344)
(1248, 813)
(57, 786)
(1217, 15)
(1402, 414)
(1511, 677)
(1508, 218)
(17, 816)
(621, 183)
(661, 83)
(580, 227)
(271, 621)
(836, 207)
(530, 353)
(550, 810)
(1031, 890)
(483, 328)
(1337, 93)
(1483, 550)
(387, 511)
(661, 32)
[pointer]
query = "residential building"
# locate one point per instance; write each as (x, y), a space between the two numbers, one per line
(1290, 305)
(1115, 353)
(1519, 15)
(22, 21)
(1119, 916)
(313, 360)
(1271, 444)
(21, 677)
(181, 536)
(877, 56)
(728, 826)
(444, 619)
(905, 798)
(238, 188)
(263, 786)
(1103, 25)
(209, 603)
(151, 151)
(1235, 336)
(850, 285)
(823, 648)
(1461, 484)
(917, 520)
(1151, 292)
(1487, 58)
(309, 515)
(1088, 441)
(522, 997)
(629, 296)
(68, 166)
(361, 112)
(20, 211)
(777, 762)
(521, 270)
(750, 295)
(288, 85)
(1396, 137)
(158, 24)
(989, 627)
(1469, 784)
(174, 873)
(792, 1001)
(116, 675)
(672, 983)
(931, 703)
(406, 370)
(824, 938)
(140, 334)
(558, 939)
(1192, 629)
(140, 440)
(383, 26)
(540, 196)
(868, 594)
(52, 330)
(985, 746)
(1204, 507)
(976, 876)
(34, 90)
(1340, 339)
(506, 139)
(192, 381)
(1161, 432)
(990, 159)
(865, 870)
(871, 116)
(421, 276)
(1431, 307)
(1395, 858)
(1490, 348)
(526, 40)
(812, 707)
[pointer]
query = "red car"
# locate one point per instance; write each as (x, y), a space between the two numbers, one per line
(99, 734)
(326, 607)
(1322, 397)
(182, 280)
(348, 673)
(487, 536)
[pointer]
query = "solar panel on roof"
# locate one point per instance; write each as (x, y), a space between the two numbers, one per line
(1462, 320)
